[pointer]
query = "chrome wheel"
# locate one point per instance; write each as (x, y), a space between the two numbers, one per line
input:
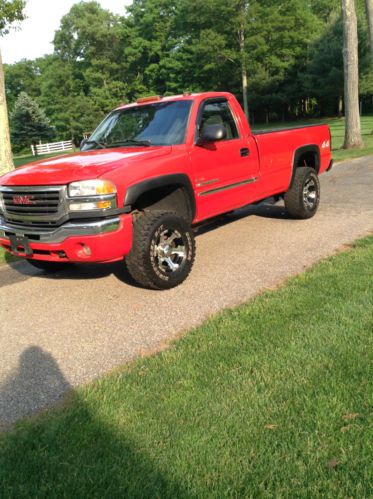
(169, 250)
(310, 193)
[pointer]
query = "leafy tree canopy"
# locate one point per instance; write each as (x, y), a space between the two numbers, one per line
(293, 53)
(10, 11)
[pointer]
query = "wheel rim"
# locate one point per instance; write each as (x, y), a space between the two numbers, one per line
(170, 251)
(310, 193)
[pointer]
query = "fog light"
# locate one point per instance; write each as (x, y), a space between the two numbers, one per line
(93, 205)
(84, 251)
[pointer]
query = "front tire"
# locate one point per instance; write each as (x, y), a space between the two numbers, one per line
(163, 250)
(303, 197)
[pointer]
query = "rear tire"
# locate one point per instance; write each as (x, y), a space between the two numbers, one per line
(163, 250)
(303, 197)
(49, 267)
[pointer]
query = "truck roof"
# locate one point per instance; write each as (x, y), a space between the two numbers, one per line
(185, 96)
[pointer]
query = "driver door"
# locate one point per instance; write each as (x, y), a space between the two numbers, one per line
(223, 170)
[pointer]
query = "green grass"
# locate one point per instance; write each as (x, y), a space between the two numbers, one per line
(337, 131)
(24, 160)
(6, 257)
(270, 399)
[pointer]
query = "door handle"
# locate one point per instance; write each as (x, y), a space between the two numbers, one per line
(244, 151)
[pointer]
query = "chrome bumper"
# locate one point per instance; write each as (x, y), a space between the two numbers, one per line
(59, 234)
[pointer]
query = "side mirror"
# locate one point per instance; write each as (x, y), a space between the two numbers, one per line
(83, 143)
(213, 133)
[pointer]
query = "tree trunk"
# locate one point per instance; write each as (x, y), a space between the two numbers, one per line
(369, 10)
(6, 157)
(243, 57)
(351, 76)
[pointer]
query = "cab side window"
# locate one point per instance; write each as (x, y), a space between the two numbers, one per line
(219, 113)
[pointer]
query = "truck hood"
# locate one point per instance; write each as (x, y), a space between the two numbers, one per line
(81, 166)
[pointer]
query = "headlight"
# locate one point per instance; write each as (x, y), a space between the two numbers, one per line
(91, 195)
(88, 188)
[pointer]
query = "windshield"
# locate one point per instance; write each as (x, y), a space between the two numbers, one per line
(160, 124)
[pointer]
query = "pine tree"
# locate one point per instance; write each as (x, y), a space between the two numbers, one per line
(29, 124)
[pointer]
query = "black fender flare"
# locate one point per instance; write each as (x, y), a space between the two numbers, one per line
(176, 179)
(302, 150)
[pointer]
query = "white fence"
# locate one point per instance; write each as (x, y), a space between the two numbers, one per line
(66, 145)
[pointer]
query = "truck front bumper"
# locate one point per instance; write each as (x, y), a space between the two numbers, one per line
(85, 241)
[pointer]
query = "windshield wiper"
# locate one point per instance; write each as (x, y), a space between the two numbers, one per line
(93, 141)
(132, 142)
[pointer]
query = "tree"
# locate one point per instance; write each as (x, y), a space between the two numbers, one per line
(369, 11)
(242, 34)
(88, 58)
(351, 76)
(10, 12)
(22, 76)
(290, 50)
(29, 123)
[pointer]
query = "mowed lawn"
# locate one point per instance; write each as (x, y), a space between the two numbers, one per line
(270, 399)
(25, 160)
(5, 256)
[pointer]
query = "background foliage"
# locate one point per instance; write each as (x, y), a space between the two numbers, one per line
(29, 123)
(293, 54)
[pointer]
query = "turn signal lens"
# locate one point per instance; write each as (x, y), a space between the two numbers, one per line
(103, 205)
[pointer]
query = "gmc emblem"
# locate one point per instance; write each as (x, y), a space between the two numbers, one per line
(26, 199)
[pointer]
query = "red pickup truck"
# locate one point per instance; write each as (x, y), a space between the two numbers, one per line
(150, 172)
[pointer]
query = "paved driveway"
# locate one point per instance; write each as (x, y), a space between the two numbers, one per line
(60, 331)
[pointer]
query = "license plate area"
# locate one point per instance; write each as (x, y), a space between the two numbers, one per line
(20, 245)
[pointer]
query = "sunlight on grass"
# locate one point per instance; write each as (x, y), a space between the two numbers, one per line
(269, 399)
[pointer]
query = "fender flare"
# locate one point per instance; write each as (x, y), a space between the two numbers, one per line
(176, 179)
(302, 150)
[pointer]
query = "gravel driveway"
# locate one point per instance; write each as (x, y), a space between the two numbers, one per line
(63, 330)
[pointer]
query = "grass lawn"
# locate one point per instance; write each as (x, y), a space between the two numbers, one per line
(270, 399)
(337, 131)
(24, 160)
(5, 256)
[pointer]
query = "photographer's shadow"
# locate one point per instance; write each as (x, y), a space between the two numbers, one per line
(37, 383)
(96, 457)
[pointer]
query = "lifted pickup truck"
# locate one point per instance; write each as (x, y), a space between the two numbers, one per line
(150, 172)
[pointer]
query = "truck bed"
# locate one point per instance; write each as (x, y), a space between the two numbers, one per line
(276, 150)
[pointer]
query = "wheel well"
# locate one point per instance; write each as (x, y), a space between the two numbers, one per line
(309, 158)
(168, 198)
(306, 156)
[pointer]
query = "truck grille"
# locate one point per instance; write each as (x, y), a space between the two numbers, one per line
(31, 202)
(34, 205)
